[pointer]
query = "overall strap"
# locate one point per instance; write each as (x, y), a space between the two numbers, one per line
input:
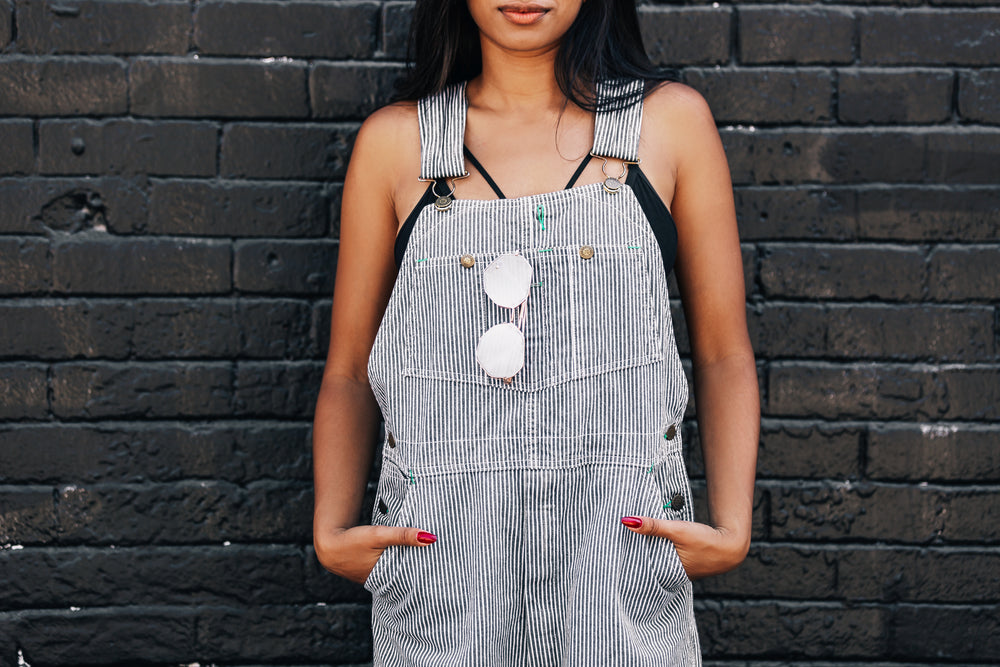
(442, 133)
(616, 133)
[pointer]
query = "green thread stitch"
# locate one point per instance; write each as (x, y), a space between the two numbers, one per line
(635, 246)
(667, 505)
(541, 216)
(421, 260)
(412, 479)
(650, 469)
(545, 250)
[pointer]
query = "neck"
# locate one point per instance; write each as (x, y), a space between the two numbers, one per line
(516, 82)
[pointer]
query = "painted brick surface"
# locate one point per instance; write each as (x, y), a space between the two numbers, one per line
(170, 184)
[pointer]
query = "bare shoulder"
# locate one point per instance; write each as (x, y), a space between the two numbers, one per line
(388, 129)
(679, 114)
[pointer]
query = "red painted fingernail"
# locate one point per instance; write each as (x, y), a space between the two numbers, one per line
(426, 538)
(632, 521)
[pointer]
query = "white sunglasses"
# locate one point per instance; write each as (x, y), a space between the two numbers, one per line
(506, 281)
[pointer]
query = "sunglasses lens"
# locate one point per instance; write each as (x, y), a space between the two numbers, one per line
(501, 350)
(507, 280)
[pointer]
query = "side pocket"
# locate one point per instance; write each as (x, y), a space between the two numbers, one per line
(670, 496)
(392, 500)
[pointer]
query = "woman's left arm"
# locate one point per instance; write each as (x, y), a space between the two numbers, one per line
(709, 271)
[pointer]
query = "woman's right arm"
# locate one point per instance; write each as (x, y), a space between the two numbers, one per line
(345, 425)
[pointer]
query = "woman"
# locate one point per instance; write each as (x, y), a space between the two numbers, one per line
(501, 298)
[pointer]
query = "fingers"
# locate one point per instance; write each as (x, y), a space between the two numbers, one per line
(383, 536)
(654, 526)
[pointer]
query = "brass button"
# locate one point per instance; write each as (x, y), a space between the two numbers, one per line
(382, 507)
(391, 440)
(586, 251)
(671, 432)
(467, 260)
(677, 502)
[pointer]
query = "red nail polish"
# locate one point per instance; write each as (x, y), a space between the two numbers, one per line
(632, 521)
(426, 538)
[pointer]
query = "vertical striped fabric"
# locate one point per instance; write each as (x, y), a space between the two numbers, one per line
(442, 132)
(616, 133)
(525, 484)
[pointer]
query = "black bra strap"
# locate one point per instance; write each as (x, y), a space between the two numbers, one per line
(482, 171)
(496, 188)
(579, 170)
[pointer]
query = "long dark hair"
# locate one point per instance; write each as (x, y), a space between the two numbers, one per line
(443, 48)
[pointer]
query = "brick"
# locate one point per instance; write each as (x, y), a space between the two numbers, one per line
(959, 273)
(284, 390)
(229, 208)
(951, 574)
(275, 329)
(308, 633)
(52, 329)
(788, 330)
(87, 636)
(686, 35)
(335, 195)
(62, 86)
(190, 328)
(793, 450)
(288, 267)
(290, 28)
(950, 633)
(933, 452)
(770, 571)
(19, 150)
(764, 95)
(978, 96)
(910, 332)
(842, 271)
(93, 576)
(920, 213)
(128, 390)
(775, 213)
(748, 254)
(350, 92)
(6, 22)
(239, 452)
(929, 37)
(883, 391)
(28, 516)
(293, 150)
(796, 36)
(221, 88)
(963, 156)
(26, 268)
(91, 26)
(843, 156)
(794, 630)
(396, 17)
(96, 264)
(37, 205)
(124, 146)
(322, 314)
(23, 391)
(839, 511)
(908, 96)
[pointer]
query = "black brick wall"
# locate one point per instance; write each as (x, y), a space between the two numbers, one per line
(170, 174)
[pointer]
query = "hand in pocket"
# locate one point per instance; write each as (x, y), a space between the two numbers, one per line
(353, 552)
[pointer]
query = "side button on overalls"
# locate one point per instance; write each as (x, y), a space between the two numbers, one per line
(524, 482)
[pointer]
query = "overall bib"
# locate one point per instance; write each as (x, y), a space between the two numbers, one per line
(524, 482)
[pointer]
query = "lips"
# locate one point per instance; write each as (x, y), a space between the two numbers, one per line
(523, 13)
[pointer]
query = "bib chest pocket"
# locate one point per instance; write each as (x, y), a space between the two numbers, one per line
(590, 310)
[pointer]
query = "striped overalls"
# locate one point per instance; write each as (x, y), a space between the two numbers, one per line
(524, 482)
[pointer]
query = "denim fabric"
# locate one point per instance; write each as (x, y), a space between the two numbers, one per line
(524, 483)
